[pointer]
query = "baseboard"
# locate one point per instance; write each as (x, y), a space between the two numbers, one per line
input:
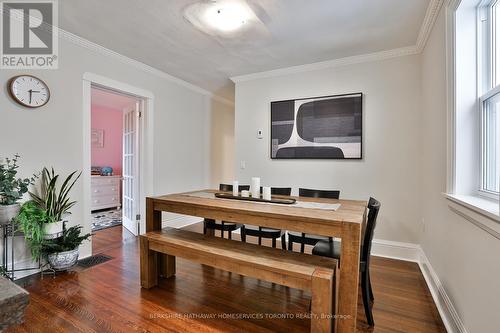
(446, 309)
(415, 253)
(180, 221)
(396, 250)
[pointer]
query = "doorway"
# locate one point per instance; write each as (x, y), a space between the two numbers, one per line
(117, 156)
(115, 172)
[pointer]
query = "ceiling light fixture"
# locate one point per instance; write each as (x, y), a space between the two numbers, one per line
(226, 17)
(221, 16)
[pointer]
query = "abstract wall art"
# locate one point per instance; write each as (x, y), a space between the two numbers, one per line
(327, 127)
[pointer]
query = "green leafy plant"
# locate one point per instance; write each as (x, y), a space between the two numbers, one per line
(31, 220)
(55, 202)
(69, 240)
(12, 189)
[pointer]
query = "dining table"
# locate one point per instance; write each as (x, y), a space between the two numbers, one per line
(338, 218)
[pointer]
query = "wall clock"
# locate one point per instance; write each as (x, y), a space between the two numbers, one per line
(29, 91)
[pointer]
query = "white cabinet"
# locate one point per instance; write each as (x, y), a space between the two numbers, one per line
(105, 192)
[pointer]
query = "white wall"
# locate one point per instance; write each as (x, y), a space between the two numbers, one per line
(389, 170)
(464, 256)
(221, 144)
(53, 135)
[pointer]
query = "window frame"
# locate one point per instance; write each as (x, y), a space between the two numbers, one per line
(486, 80)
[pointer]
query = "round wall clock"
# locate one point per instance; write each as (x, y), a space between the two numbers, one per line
(29, 91)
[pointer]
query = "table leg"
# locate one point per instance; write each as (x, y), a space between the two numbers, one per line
(349, 277)
(322, 308)
(165, 263)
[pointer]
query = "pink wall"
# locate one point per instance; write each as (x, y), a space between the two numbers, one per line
(111, 121)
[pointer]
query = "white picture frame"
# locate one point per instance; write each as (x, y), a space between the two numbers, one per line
(97, 138)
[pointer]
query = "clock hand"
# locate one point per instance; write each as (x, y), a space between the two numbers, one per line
(31, 93)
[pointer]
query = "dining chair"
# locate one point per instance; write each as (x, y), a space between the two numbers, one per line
(224, 225)
(263, 232)
(309, 239)
(332, 249)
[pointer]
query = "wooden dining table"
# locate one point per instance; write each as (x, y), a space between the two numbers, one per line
(346, 223)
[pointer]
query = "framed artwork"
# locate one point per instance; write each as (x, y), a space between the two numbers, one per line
(329, 127)
(97, 138)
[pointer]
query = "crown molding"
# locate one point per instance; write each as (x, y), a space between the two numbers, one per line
(388, 54)
(424, 33)
(77, 40)
(429, 20)
(431, 15)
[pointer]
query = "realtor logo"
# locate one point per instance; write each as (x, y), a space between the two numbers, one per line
(29, 40)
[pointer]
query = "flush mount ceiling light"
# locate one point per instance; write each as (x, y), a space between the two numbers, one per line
(220, 17)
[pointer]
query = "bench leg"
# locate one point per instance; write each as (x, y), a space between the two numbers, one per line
(322, 307)
(149, 264)
(166, 265)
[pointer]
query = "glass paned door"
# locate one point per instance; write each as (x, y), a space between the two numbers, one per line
(131, 169)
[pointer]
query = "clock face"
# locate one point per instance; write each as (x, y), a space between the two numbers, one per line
(29, 91)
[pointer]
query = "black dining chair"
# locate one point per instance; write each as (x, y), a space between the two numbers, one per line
(263, 232)
(332, 249)
(309, 239)
(224, 225)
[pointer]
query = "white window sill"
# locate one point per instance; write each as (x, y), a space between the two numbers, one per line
(482, 212)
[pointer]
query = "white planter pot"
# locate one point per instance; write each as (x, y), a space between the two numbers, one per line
(7, 213)
(63, 260)
(53, 230)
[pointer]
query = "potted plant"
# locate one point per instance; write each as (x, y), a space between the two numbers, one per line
(62, 252)
(12, 189)
(55, 202)
(31, 221)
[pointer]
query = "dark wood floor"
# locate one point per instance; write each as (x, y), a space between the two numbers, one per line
(108, 298)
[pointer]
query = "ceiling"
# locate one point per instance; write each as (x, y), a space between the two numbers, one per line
(111, 100)
(290, 32)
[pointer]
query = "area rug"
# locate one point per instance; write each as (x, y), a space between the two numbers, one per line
(106, 219)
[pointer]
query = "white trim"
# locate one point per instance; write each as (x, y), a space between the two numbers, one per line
(450, 11)
(147, 144)
(121, 86)
(77, 40)
(415, 253)
(424, 33)
(377, 56)
(430, 18)
(396, 250)
(481, 212)
(446, 309)
(181, 221)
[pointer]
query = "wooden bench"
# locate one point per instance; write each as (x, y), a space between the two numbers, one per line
(296, 270)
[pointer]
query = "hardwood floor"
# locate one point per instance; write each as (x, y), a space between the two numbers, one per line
(108, 298)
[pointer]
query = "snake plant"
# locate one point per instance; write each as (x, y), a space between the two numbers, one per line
(55, 202)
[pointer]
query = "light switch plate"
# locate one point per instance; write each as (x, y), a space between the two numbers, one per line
(260, 135)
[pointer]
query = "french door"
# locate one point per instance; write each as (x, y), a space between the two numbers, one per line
(131, 209)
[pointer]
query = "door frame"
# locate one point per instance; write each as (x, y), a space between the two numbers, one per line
(146, 141)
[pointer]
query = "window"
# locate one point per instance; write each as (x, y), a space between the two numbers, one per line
(489, 92)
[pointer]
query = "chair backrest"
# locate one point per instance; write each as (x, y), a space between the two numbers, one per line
(305, 192)
(373, 208)
(279, 190)
(229, 188)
